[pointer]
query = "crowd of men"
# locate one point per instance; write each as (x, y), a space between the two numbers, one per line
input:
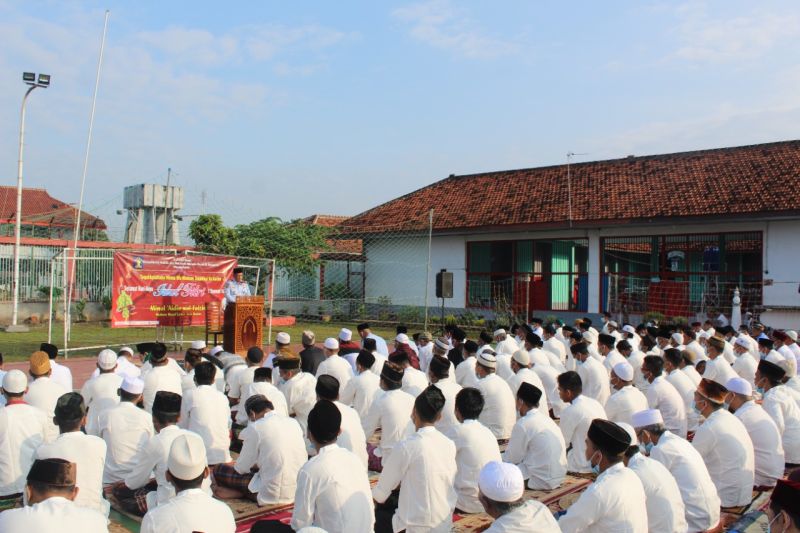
(675, 425)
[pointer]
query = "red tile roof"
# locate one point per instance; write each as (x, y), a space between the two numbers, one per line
(41, 209)
(339, 249)
(741, 181)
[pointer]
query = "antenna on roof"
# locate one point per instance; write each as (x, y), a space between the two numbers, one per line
(570, 155)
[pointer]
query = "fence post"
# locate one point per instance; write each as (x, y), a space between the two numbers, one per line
(271, 300)
(736, 311)
(428, 271)
(50, 306)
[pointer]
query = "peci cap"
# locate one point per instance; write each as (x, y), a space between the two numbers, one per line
(106, 359)
(771, 370)
(187, 457)
(331, 343)
(132, 385)
(288, 363)
(488, 360)
(50, 349)
(501, 482)
(283, 338)
(530, 394)
(623, 370)
(198, 345)
(308, 337)
(608, 436)
(40, 363)
(392, 372)
(15, 382)
(426, 336)
(739, 386)
(158, 351)
(53, 472)
(522, 357)
(70, 407)
(648, 417)
(345, 334)
(167, 402)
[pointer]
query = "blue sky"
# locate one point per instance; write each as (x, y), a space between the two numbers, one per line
(292, 108)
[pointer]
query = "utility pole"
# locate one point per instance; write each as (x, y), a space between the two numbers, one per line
(166, 203)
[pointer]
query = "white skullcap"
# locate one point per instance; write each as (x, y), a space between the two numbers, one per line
(106, 359)
(741, 341)
(631, 432)
(126, 349)
(774, 357)
(613, 324)
(789, 365)
(132, 385)
(441, 344)
(500, 331)
(283, 338)
(187, 456)
(15, 382)
(648, 417)
(677, 337)
(402, 338)
(215, 350)
(198, 345)
(792, 334)
(331, 343)
(487, 360)
(624, 371)
(627, 328)
(703, 334)
(588, 335)
(522, 357)
(501, 482)
(739, 386)
(345, 334)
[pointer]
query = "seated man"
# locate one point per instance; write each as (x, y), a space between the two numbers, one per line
(616, 500)
(100, 393)
(262, 384)
(390, 412)
(784, 506)
(161, 377)
(575, 420)
(475, 446)
(50, 494)
(501, 489)
(498, 411)
(297, 388)
(192, 509)
(536, 446)
(423, 466)
(352, 436)
(626, 399)
(205, 411)
(362, 390)
(273, 451)
(333, 491)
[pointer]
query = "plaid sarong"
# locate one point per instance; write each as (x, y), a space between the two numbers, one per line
(227, 476)
(373, 461)
(132, 501)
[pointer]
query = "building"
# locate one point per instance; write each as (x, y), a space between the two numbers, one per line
(152, 214)
(45, 217)
(672, 234)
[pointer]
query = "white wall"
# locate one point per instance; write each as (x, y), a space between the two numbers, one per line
(782, 264)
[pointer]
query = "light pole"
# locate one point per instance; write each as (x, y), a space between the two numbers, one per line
(43, 81)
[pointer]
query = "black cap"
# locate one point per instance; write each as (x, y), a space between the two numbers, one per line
(579, 347)
(606, 340)
(771, 370)
(53, 472)
(50, 349)
(158, 351)
(439, 367)
(365, 359)
(362, 326)
(145, 347)
(166, 402)
(255, 354)
(238, 270)
(608, 436)
(288, 363)
(327, 387)
(471, 346)
(459, 334)
(537, 320)
(766, 343)
(530, 394)
(70, 407)
(324, 421)
(392, 372)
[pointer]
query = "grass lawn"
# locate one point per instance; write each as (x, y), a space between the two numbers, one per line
(19, 346)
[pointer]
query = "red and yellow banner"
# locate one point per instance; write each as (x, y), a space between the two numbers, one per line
(166, 290)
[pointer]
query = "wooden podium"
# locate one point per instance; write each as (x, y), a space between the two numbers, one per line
(243, 323)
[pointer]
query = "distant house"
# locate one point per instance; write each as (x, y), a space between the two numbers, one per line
(673, 234)
(45, 217)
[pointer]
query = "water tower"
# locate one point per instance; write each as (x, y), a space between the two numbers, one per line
(152, 211)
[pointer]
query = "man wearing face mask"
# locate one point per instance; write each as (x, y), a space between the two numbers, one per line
(616, 500)
(575, 420)
(767, 445)
(626, 399)
(784, 507)
(726, 447)
(698, 492)
(593, 375)
(781, 407)
(662, 395)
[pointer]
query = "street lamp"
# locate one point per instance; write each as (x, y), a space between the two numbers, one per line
(42, 81)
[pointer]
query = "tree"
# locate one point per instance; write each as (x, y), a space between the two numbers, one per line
(211, 235)
(293, 244)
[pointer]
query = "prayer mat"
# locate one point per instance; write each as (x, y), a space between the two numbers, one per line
(755, 522)
(130, 503)
(114, 527)
(227, 476)
(12, 501)
(375, 439)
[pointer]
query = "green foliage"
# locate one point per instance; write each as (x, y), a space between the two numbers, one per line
(211, 235)
(410, 314)
(92, 234)
(80, 307)
(44, 290)
(450, 320)
(294, 244)
(654, 316)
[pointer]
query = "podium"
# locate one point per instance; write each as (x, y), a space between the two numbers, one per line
(243, 324)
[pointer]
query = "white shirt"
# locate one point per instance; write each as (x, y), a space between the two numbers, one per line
(780, 405)
(301, 396)
(549, 377)
(424, 467)
(124, 368)
(232, 375)
(719, 370)
(240, 381)
(62, 375)
(465, 372)
(190, 510)
(206, 411)
(44, 393)
(337, 367)
(152, 458)
(556, 347)
(746, 365)
(160, 378)
(23, 428)
(698, 492)
(333, 493)
(414, 381)
(352, 437)
(53, 515)
(595, 380)
(125, 428)
(500, 406)
(612, 359)
(361, 391)
(685, 387)
(693, 374)
(475, 446)
(636, 359)
(665, 510)
(614, 503)
(531, 516)
(275, 444)
(377, 366)
(448, 421)
(506, 346)
(99, 394)
(537, 447)
(503, 368)
(538, 357)
(172, 364)
(425, 354)
(391, 412)
(767, 445)
(624, 402)
(575, 421)
(663, 396)
(267, 389)
(529, 376)
(89, 454)
(380, 344)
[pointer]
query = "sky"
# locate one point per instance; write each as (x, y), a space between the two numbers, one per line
(270, 108)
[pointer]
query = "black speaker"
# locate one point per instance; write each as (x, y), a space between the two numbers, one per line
(444, 284)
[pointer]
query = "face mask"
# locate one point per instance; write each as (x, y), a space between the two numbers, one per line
(595, 468)
(578, 362)
(694, 407)
(727, 406)
(769, 526)
(648, 447)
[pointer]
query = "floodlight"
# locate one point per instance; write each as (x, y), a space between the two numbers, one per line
(29, 77)
(44, 80)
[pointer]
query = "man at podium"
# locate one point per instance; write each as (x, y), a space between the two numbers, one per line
(236, 286)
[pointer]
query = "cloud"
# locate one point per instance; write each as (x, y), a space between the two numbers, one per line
(440, 24)
(706, 38)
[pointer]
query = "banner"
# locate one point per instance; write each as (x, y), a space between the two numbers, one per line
(166, 290)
